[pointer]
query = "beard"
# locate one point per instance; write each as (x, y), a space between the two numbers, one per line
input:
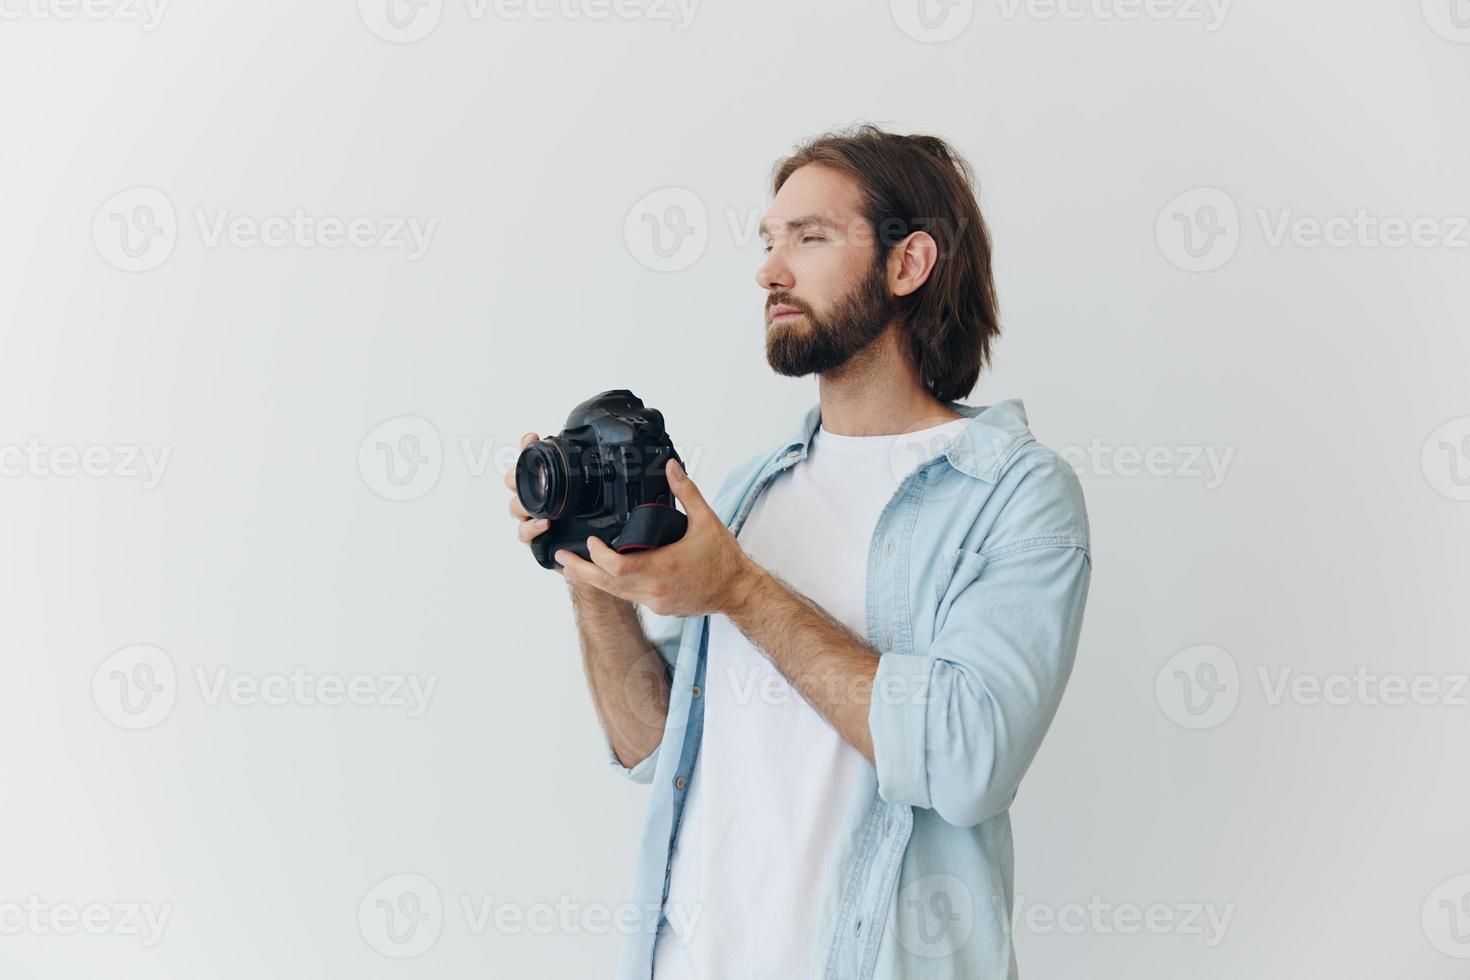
(820, 344)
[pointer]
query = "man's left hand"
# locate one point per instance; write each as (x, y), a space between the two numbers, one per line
(705, 571)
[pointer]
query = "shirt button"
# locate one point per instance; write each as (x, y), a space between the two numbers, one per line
(793, 454)
(888, 548)
(887, 640)
(696, 690)
(679, 783)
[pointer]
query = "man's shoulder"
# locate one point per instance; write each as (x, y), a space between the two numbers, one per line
(1037, 498)
(1031, 493)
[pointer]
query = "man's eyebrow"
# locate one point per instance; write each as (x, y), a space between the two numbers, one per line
(804, 221)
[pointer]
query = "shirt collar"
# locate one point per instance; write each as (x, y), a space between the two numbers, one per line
(984, 445)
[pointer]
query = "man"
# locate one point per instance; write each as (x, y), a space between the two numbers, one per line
(858, 645)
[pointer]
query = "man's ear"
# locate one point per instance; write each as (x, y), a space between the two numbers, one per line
(911, 262)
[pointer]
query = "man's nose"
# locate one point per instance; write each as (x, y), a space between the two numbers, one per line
(774, 273)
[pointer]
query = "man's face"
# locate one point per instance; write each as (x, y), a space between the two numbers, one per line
(825, 298)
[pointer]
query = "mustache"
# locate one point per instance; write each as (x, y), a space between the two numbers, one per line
(786, 299)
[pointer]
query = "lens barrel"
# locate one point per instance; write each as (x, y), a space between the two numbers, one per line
(554, 483)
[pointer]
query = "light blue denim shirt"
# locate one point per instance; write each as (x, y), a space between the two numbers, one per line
(978, 572)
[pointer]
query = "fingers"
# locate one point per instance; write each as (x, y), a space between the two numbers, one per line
(684, 489)
(527, 530)
(575, 569)
(623, 568)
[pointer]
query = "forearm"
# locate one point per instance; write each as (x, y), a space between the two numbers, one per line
(829, 665)
(626, 675)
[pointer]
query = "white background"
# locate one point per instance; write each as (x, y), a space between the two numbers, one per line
(1333, 541)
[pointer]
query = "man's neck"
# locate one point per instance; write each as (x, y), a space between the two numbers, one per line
(878, 393)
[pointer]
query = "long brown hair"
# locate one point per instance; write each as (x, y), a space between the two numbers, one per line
(920, 183)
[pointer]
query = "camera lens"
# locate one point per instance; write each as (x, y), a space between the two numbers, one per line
(555, 483)
(542, 478)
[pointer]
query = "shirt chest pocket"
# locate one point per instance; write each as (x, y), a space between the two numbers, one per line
(957, 570)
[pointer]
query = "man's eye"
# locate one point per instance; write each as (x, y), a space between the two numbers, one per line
(812, 238)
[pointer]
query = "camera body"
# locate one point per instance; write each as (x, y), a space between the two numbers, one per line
(601, 476)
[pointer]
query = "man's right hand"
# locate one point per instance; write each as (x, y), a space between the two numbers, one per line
(527, 527)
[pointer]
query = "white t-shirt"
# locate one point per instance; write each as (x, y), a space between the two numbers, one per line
(761, 824)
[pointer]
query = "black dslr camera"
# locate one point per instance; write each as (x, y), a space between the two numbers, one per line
(603, 476)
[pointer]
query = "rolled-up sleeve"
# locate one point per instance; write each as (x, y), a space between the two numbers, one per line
(665, 632)
(955, 728)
